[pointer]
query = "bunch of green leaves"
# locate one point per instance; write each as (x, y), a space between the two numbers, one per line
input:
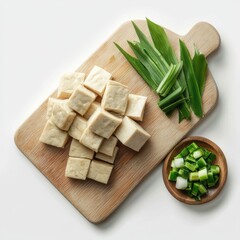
(179, 83)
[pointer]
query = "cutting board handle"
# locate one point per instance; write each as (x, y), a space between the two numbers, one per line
(204, 36)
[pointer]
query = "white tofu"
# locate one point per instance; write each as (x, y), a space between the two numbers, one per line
(77, 128)
(115, 97)
(131, 134)
(108, 146)
(100, 171)
(81, 100)
(97, 80)
(94, 106)
(136, 106)
(62, 116)
(103, 123)
(107, 158)
(80, 151)
(77, 168)
(51, 103)
(68, 83)
(91, 140)
(54, 136)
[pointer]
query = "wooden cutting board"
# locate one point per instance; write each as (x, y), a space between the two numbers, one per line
(94, 200)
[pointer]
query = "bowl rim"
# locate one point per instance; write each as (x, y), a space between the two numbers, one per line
(178, 194)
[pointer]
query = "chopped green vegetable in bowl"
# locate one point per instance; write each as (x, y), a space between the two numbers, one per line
(195, 171)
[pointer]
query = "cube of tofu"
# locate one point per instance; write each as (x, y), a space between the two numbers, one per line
(115, 97)
(108, 146)
(54, 136)
(131, 134)
(81, 100)
(94, 106)
(77, 168)
(77, 128)
(97, 80)
(100, 171)
(68, 83)
(107, 158)
(80, 151)
(136, 106)
(62, 116)
(91, 140)
(51, 103)
(103, 123)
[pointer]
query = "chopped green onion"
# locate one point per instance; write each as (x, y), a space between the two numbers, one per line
(173, 164)
(216, 178)
(201, 162)
(195, 189)
(190, 159)
(190, 166)
(202, 189)
(206, 154)
(178, 162)
(192, 147)
(210, 180)
(184, 173)
(178, 156)
(173, 175)
(189, 186)
(184, 152)
(193, 176)
(215, 169)
(181, 183)
(203, 174)
(211, 158)
(198, 153)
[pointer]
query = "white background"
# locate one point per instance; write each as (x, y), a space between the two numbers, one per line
(40, 40)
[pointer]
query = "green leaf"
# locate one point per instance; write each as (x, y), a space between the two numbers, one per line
(200, 67)
(153, 70)
(138, 66)
(173, 105)
(170, 98)
(193, 89)
(153, 53)
(161, 42)
(170, 78)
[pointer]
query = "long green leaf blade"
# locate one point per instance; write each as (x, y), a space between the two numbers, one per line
(154, 72)
(152, 52)
(195, 96)
(161, 42)
(137, 65)
(162, 103)
(200, 67)
(170, 78)
(173, 105)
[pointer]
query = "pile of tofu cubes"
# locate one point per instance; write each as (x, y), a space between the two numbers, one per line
(96, 112)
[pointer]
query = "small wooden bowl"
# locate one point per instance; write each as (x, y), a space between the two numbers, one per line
(220, 160)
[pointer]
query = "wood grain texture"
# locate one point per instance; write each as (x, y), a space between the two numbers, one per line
(94, 200)
(220, 160)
